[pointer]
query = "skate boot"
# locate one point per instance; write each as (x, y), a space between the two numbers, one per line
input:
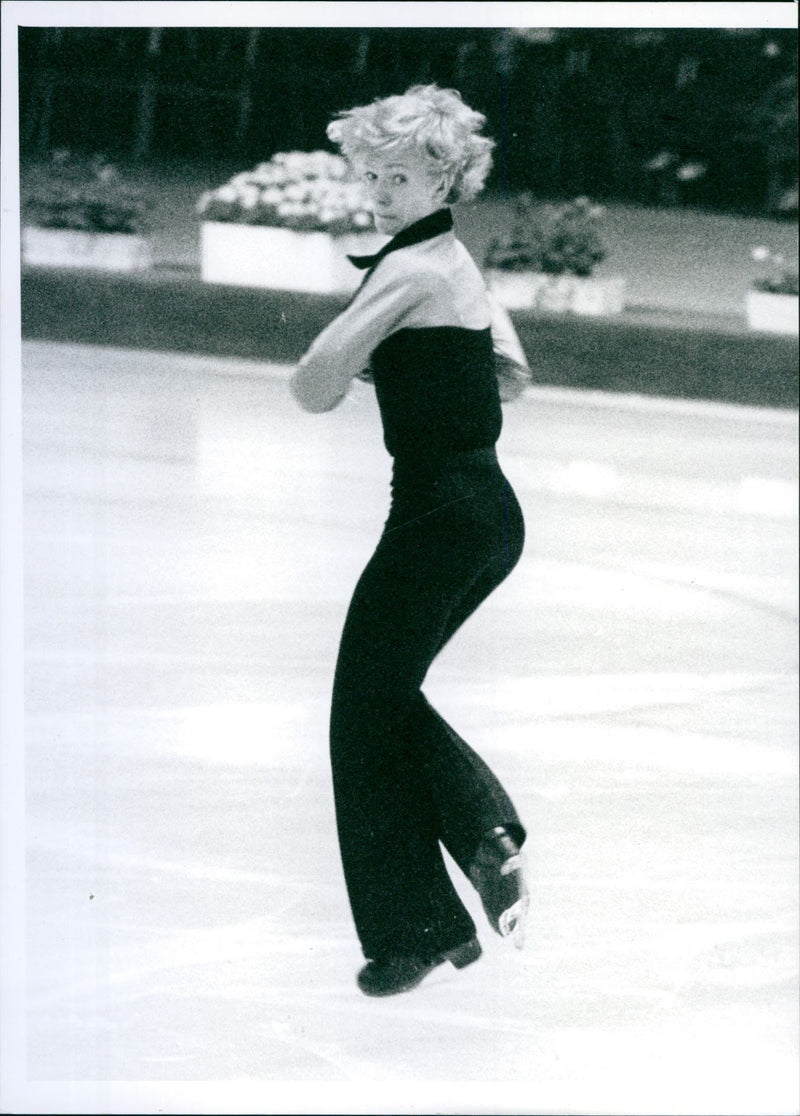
(496, 874)
(400, 974)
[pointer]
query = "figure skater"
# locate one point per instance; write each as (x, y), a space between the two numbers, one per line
(441, 354)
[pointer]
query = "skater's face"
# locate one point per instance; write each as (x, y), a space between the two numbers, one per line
(400, 187)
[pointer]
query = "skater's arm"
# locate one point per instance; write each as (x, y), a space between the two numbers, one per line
(343, 350)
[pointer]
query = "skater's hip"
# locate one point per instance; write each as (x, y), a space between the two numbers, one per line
(466, 491)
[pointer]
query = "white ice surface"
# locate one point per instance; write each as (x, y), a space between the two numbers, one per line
(190, 543)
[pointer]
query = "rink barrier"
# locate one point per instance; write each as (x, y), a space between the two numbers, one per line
(650, 353)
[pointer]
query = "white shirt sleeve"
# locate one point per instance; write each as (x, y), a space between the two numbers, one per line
(344, 347)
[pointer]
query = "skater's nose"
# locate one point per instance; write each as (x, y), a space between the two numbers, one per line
(382, 194)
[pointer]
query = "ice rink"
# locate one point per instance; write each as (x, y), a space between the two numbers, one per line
(190, 543)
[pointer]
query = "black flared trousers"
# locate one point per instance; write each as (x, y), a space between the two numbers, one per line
(403, 779)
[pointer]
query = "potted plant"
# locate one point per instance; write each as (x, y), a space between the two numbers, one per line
(287, 224)
(84, 214)
(772, 301)
(548, 258)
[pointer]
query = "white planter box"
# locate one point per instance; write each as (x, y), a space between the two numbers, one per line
(596, 297)
(261, 256)
(772, 313)
(78, 248)
(558, 294)
(516, 290)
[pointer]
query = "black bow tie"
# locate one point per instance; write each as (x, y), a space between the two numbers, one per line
(433, 225)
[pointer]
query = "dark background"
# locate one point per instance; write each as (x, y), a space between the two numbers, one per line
(575, 111)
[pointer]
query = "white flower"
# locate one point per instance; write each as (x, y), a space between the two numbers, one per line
(760, 253)
(227, 193)
(690, 171)
(661, 161)
(264, 174)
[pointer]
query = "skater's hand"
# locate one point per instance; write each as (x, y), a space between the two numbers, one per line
(512, 377)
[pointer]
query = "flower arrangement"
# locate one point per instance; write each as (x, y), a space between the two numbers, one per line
(555, 240)
(86, 194)
(305, 191)
(776, 278)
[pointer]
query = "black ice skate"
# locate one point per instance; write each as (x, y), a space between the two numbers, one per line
(400, 974)
(496, 874)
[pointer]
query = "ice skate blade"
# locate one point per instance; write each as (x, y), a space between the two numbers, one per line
(512, 922)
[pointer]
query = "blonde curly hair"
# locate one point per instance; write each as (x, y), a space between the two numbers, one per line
(435, 122)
